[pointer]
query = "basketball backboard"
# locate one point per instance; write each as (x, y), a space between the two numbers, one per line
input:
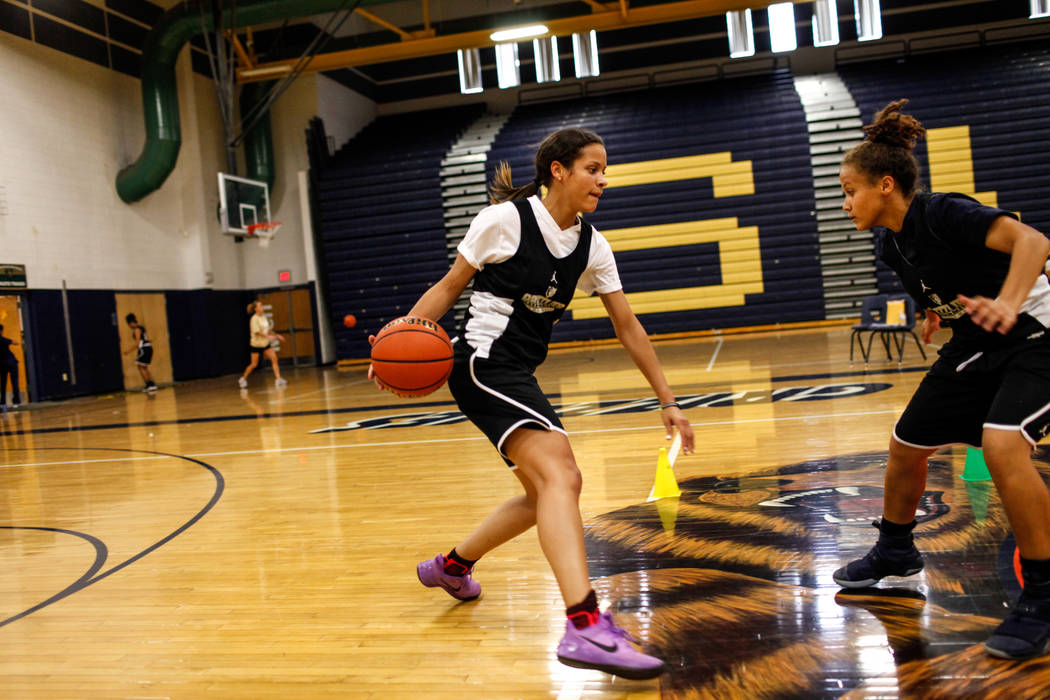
(242, 203)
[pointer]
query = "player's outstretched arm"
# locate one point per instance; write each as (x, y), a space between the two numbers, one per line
(632, 335)
(437, 300)
(1028, 250)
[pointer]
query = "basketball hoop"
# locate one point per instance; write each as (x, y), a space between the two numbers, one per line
(264, 231)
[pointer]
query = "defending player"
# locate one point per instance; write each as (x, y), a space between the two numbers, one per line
(977, 269)
(527, 257)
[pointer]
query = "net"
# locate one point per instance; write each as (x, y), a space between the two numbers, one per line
(264, 231)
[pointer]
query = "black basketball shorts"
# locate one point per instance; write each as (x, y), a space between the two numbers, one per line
(499, 397)
(145, 355)
(962, 396)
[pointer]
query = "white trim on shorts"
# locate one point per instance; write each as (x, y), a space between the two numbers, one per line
(1009, 428)
(1032, 417)
(539, 418)
(919, 447)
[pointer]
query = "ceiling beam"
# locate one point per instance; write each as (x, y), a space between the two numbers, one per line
(405, 36)
(610, 17)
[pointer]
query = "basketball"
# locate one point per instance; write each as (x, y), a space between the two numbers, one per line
(349, 320)
(412, 356)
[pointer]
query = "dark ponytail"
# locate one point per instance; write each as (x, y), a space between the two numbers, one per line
(562, 146)
(887, 148)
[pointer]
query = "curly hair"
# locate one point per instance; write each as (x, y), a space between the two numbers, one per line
(887, 148)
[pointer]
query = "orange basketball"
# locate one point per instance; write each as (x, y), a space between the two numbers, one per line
(412, 356)
(349, 320)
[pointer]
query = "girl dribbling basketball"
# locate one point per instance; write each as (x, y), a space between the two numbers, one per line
(527, 256)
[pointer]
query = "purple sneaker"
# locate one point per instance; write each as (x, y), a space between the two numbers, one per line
(605, 647)
(432, 573)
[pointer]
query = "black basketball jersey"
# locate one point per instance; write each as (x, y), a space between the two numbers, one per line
(143, 338)
(940, 253)
(515, 303)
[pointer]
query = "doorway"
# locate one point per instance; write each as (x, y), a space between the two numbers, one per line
(11, 320)
(291, 311)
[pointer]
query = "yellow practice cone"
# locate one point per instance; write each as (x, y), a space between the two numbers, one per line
(665, 485)
(667, 509)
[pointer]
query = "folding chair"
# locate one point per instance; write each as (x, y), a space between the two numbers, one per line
(892, 318)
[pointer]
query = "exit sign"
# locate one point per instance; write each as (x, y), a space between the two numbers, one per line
(284, 276)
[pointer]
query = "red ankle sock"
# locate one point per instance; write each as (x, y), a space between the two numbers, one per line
(456, 565)
(584, 614)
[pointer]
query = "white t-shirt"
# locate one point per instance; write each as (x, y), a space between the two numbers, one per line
(260, 331)
(495, 233)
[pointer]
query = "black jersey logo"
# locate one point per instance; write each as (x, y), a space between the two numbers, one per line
(552, 289)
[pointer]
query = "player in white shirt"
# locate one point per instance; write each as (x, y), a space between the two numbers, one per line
(527, 256)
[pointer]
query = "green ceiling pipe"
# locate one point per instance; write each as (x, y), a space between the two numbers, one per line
(160, 101)
(258, 141)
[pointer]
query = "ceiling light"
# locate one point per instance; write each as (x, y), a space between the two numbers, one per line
(469, 70)
(508, 71)
(548, 67)
(741, 34)
(585, 54)
(1040, 8)
(826, 23)
(782, 27)
(515, 33)
(869, 19)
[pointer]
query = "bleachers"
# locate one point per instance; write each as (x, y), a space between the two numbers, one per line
(731, 116)
(999, 92)
(381, 219)
(381, 208)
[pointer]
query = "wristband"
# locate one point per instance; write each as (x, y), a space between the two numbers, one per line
(669, 405)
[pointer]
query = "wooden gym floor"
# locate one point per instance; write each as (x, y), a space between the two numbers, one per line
(206, 542)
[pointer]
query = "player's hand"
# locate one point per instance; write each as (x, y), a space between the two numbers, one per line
(990, 314)
(674, 418)
(371, 372)
(930, 325)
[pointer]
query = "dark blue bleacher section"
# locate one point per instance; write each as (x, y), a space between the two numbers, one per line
(757, 119)
(381, 220)
(1000, 92)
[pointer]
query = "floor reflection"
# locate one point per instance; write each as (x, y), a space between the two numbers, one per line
(731, 583)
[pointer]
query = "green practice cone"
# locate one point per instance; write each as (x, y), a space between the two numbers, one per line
(978, 491)
(975, 469)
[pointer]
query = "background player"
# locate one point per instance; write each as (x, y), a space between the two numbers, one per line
(261, 336)
(977, 269)
(527, 256)
(144, 350)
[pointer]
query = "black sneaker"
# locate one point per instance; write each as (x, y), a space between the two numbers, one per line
(891, 556)
(1025, 632)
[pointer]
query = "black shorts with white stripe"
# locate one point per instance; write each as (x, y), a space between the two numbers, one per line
(964, 394)
(499, 397)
